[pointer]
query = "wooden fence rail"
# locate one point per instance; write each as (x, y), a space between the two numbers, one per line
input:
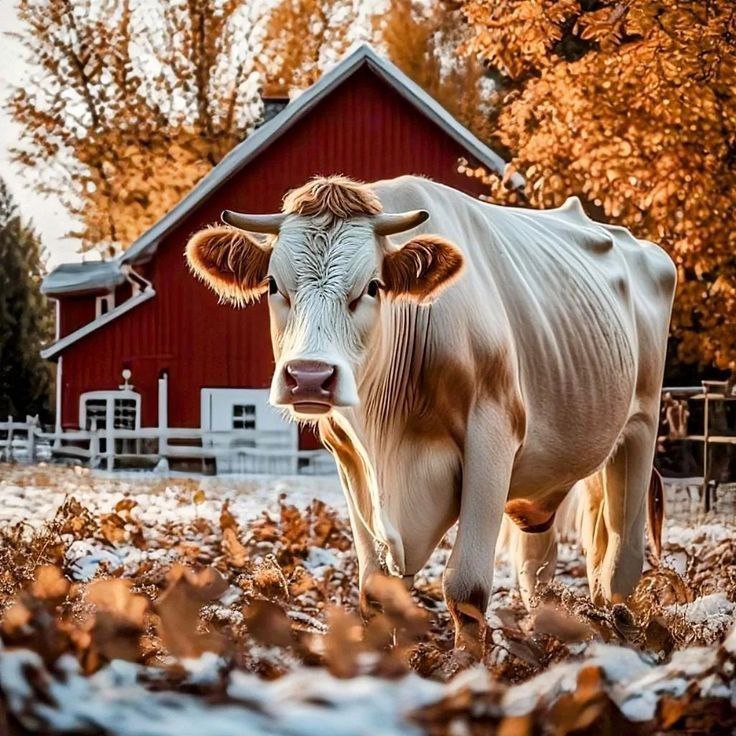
(237, 450)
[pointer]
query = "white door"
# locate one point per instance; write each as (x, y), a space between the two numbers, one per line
(251, 423)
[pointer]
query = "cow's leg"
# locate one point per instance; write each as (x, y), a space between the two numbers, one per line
(625, 488)
(488, 457)
(365, 549)
(593, 533)
(535, 558)
(352, 480)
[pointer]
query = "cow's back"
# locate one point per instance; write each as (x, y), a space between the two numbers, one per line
(581, 309)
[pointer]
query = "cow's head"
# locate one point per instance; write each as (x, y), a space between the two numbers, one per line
(327, 262)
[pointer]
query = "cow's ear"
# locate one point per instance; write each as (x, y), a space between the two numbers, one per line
(230, 262)
(421, 268)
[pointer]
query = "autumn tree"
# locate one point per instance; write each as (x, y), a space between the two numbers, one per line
(304, 37)
(631, 105)
(423, 40)
(24, 317)
(130, 103)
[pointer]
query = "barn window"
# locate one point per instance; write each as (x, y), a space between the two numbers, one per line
(244, 416)
(95, 414)
(104, 303)
(125, 413)
(115, 409)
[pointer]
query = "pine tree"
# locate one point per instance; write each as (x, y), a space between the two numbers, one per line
(25, 318)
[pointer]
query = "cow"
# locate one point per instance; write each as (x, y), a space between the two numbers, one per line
(476, 368)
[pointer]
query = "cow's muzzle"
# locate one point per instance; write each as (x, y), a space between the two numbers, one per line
(309, 385)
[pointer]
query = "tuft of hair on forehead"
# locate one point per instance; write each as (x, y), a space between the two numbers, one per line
(334, 196)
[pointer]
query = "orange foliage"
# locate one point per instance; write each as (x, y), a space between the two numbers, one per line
(131, 104)
(631, 105)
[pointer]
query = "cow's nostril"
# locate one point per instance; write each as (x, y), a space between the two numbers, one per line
(310, 380)
(331, 380)
(289, 377)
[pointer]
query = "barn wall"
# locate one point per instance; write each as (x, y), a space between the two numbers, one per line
(75, 311)
(364, 130)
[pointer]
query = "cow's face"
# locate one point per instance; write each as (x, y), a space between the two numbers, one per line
(327, 267)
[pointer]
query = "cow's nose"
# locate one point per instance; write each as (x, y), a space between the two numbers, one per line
(310, 382)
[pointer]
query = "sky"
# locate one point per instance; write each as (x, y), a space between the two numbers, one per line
(49, 217)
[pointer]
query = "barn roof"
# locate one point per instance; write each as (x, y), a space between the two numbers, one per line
(292, 113)
(82, 278)
(86, 277)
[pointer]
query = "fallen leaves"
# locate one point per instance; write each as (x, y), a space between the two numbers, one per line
(280, 592)
(178, 609)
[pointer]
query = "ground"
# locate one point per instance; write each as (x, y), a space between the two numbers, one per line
(137, 605)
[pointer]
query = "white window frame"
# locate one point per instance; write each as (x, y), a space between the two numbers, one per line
(109, 299)
(109, 397)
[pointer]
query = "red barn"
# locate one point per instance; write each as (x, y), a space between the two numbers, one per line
(194, 363)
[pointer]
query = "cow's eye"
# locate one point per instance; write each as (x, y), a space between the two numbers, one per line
(373, 288)
(273, 288)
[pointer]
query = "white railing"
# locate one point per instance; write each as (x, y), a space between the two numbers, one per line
(22, 440)
(233, 451)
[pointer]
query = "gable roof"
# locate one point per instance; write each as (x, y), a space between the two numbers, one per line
(90, 276)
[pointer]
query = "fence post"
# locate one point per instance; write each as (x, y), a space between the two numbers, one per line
(9, 449)
(31, 423)
(163, 413)
(94, 444)
(110, 448)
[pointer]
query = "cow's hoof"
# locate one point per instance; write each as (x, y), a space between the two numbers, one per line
(470, 630)
(369, 607)
(458, 660)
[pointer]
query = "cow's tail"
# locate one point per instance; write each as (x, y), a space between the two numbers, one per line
(655, 514)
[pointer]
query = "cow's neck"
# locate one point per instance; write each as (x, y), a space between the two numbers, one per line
(390, 384)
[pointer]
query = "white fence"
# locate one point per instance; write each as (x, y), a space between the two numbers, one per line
(233, 451)
(23, 440)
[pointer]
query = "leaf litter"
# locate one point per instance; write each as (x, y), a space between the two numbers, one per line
(148, 605)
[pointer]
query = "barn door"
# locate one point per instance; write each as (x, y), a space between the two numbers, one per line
(111, 410)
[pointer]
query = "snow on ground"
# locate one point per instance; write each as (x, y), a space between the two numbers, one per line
(123, 698)
(33, 495)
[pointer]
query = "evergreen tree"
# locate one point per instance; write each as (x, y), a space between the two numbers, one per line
(24, 317)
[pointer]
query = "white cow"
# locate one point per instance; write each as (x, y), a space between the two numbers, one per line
(479, 370)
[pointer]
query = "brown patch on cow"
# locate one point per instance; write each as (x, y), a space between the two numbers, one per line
(530, 517)
(232, 264)
(423, 267)
(336, 196)
(517, 417)
(496, 381)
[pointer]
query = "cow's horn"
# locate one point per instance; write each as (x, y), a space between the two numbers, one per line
(254, 223)
(390, 224)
